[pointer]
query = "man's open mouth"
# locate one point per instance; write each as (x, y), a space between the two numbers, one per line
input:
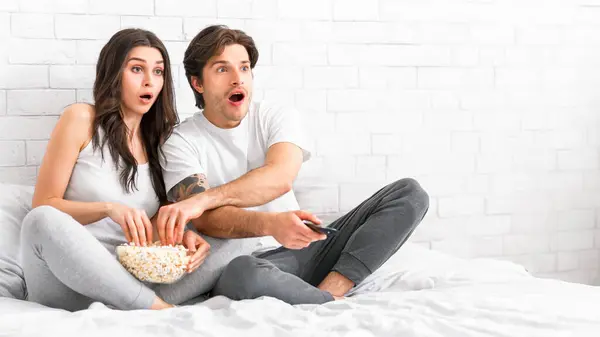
(237, 97)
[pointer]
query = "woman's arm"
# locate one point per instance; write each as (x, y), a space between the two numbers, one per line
(70, 135)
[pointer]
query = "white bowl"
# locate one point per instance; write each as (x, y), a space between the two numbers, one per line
(155, 263)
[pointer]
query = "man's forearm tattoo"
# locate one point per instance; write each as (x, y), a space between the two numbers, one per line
(192, 185)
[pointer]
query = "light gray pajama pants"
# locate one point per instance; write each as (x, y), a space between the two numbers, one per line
(67, 267)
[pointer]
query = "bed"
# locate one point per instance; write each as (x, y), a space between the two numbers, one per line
(418, 292)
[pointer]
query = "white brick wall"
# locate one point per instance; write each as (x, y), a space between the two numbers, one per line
(34, 25)
(2, 102)
(39, 102)
(53, 6)
(182, 8)
(54, 52)
(491, 105)
(68, 26)
(119, 7)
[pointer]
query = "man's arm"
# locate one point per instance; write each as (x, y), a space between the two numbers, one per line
(287, 227)
(287, 148)
(255, 188)
(233, 222)
(222, 222)
(268, 182)
(188, 187)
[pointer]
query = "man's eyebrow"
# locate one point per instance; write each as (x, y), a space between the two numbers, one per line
(219, 62)
(142, 60)
(226, 62)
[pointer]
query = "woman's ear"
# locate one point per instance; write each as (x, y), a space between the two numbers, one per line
(196, 84)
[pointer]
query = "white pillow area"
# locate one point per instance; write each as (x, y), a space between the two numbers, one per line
(15, 203)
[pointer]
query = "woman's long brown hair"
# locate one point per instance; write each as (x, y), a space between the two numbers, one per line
(156, 125)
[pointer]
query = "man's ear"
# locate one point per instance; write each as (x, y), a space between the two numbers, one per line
(197, 85)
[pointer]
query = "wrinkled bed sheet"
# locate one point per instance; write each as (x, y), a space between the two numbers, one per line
(418, 292)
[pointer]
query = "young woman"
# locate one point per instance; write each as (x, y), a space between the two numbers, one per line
(100, 183)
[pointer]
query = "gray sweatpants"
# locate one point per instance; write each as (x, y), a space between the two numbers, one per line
(368, 236)
(67, 267)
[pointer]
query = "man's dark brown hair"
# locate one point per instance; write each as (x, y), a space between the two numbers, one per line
(208, 43)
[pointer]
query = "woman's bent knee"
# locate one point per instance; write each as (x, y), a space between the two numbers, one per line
(42, 219)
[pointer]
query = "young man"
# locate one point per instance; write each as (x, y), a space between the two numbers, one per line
(231, 168)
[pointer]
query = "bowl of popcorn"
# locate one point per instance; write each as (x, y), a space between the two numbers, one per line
(154, 263)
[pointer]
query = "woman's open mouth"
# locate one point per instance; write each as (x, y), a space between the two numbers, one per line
(146, 98)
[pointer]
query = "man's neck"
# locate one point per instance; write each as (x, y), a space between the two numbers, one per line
(219, 121)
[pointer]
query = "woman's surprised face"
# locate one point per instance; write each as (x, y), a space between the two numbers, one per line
(142, 79)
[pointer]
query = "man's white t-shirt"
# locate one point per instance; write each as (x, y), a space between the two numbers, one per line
(223, 155)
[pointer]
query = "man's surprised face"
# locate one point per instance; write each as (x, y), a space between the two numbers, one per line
(227, 85)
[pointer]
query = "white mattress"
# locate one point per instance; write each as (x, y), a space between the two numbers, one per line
(416, 293)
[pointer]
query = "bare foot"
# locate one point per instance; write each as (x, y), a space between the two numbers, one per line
(159, 304)
(336, 284)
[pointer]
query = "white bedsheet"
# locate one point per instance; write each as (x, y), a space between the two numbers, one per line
(416, 293)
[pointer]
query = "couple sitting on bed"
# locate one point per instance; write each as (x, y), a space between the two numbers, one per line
(122, 170)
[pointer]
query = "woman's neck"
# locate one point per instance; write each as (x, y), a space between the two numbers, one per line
(133, 122)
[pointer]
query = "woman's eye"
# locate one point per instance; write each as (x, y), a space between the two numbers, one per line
(159, 72)
(221, 69)
(245, 68)
(136, 69)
